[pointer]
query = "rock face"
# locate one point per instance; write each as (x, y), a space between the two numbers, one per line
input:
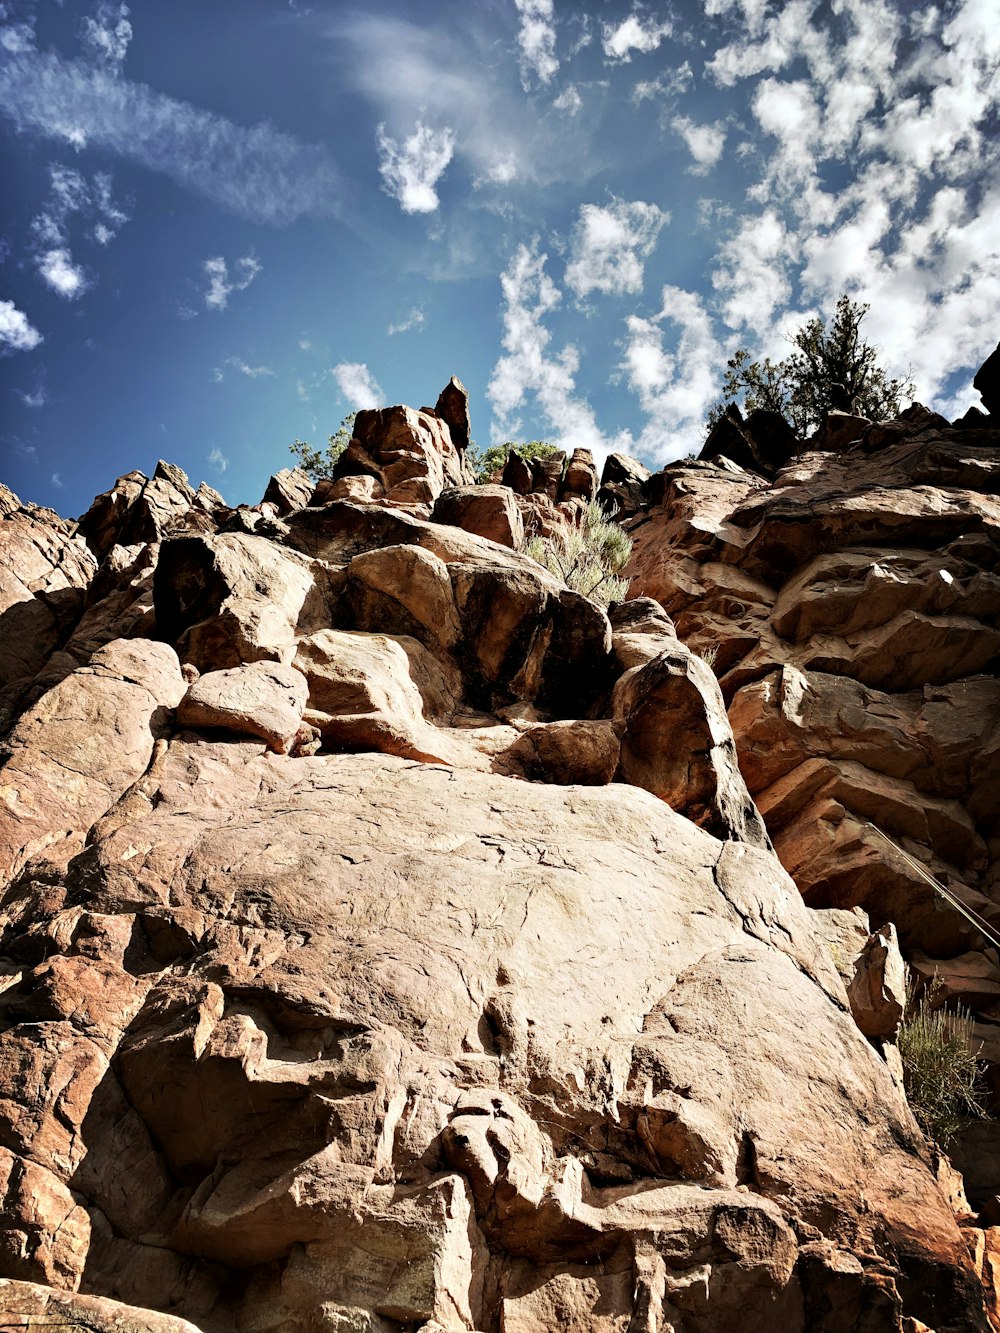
(852, 608)
(390, 941)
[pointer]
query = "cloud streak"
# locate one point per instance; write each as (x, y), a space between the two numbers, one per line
(221, 286)
(258, 172)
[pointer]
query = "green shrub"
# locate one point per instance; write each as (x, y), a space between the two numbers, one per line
(941, 1073)
(316, 463)
(587, 559)
(489, 462)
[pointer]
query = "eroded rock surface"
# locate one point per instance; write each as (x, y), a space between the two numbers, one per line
(390, 940)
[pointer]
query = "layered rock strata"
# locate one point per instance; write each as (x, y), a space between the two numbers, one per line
(390, 941)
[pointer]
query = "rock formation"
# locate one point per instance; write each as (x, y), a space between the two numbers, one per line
(391, 941)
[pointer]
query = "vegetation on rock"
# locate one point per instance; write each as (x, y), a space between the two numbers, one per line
(829, 368)
(941, 1073)
(490, 462)
(589, 558)
(320, 463)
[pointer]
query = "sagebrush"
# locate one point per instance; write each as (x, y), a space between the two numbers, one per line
(588, 559)
(941, 1073)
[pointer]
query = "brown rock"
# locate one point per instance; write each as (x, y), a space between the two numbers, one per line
(453, 408)
(138, 509)
(362, 697)
(677, 744)
(289, 489)
(487, 511)
(44, 574)
(838, 431)
(987, 381)
(411, 453)
(581, 476)
(77, 750)
(262, 699)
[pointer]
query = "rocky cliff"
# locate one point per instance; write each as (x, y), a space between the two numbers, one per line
(394, 939)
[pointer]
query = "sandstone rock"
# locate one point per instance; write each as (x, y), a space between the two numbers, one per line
(72, 754)
(261, 699)
(517, 473)
(289, 489)
(487, 511)
(30, 1305)
(138, 509)
(453, 408)
(239, 598)
(412, 454)
(581, 476)
(404, 590)
(362, 697)
(877, 992)
(677, 744)
(837, 431)
(572, 752)
(762, 443)
(547, 474)
(987, 381)
(44, 574)
(376, 1076)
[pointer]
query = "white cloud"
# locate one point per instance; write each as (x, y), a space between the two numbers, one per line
(254, 372)
(675, 389)
(633, 34)
(752, 277)
(57, 481)
(664, 86)
(411, 171)
(357, 385)
(569, 100)
(705, 143)
(608, 246)
(529, 368)
(221, 285)
(218, 460)
(258, 172)
(107, 34)
(15, 37)
(536, 37)
(414, 320)
(36, 399)
(16, 333)
(69, 194)
(62, 275)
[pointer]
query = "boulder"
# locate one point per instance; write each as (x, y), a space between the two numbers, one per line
(677, 744)
(487, 511)
(453, 408)
(289, 489)
(73, 754)
(837, 431)
(581, 476)
(987, 381)
(411, 454)
(138, 509)
(45, 572)
(262, 699)
(362, 695)
(622, 492)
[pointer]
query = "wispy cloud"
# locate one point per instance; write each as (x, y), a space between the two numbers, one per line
(16, 333)
(536, 36)
(569, 100)
(218, 460)
(57, 481)
(414, 320)
(609, 244)
(619, 40)
(107, 33)
(37, 399)
(258, 172)
(529, 368)
(675, 388)
(357, 385)
(70, 196)
(243, 367)
(221, 285)
(410, 170)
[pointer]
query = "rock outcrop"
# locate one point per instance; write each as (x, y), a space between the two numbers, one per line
(391, 941)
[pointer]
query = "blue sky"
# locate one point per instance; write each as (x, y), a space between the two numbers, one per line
(225, 225)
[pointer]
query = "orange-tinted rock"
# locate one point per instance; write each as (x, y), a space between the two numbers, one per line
(488, 511)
